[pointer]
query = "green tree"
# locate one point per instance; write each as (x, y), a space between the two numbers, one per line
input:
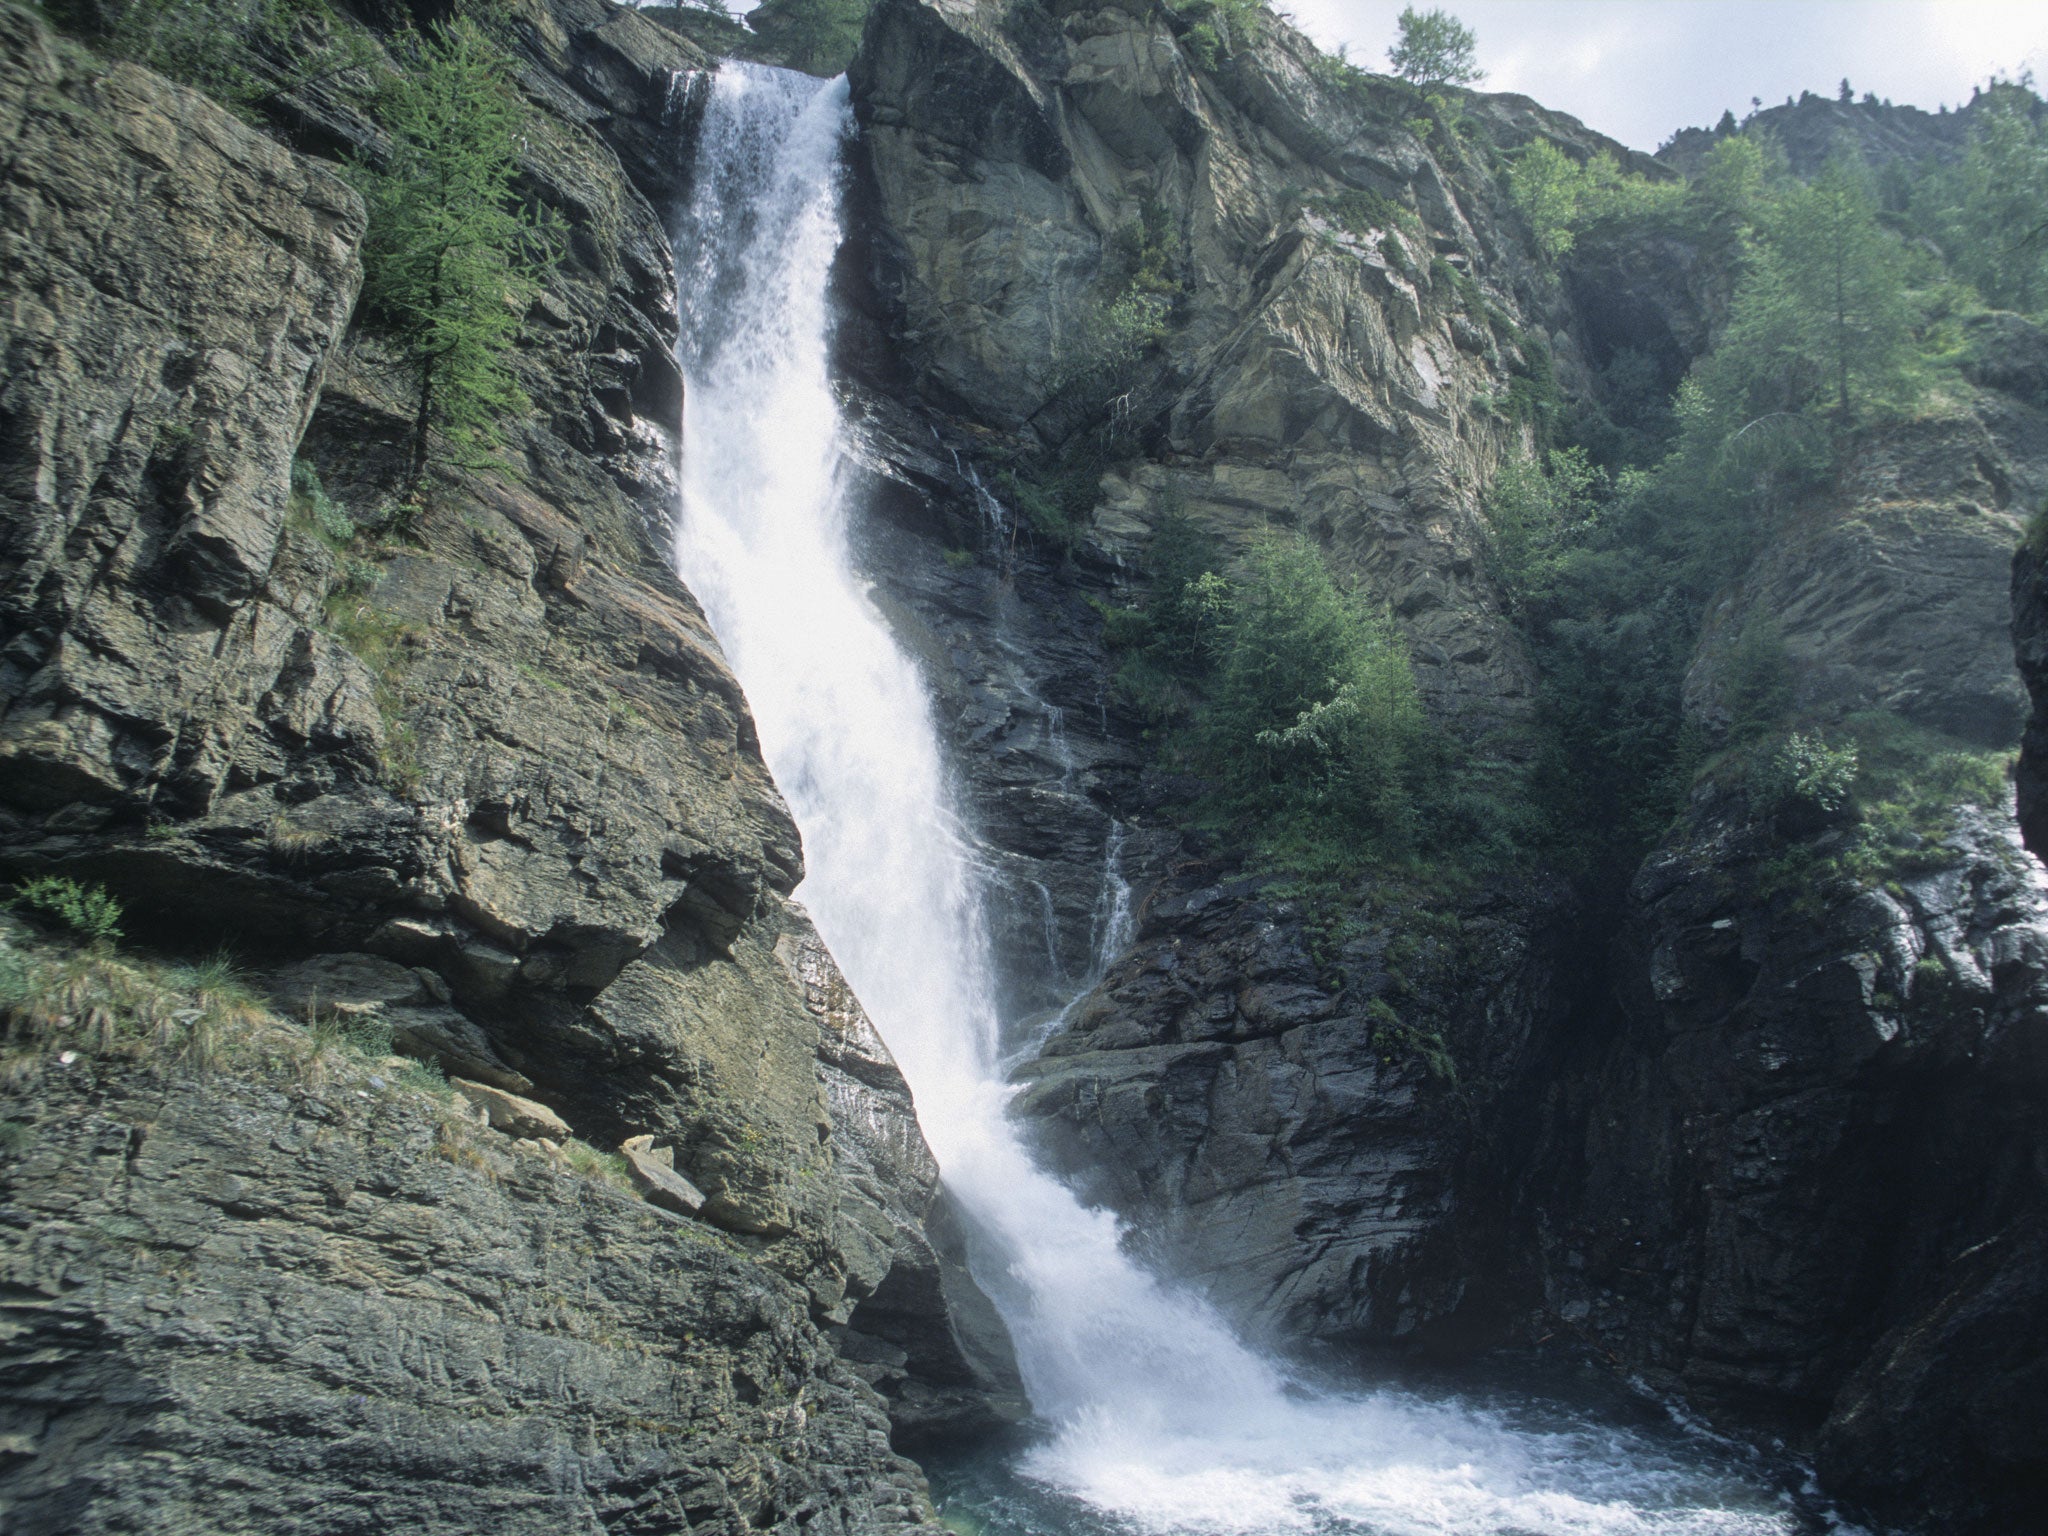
(1561, 197)
(817, 36)
(1314, 722)
(1435, 49)
(452, 261)
(1822, 321)
(1992, 208)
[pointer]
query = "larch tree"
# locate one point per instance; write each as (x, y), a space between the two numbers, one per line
(452, 261)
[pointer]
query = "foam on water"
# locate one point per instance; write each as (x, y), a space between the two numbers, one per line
(1159, 1417)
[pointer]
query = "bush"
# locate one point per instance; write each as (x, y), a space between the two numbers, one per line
(1219, 27)
(85, 910)
(310, 500)
(1560, 197)
(1314, 721)
(1806, 772)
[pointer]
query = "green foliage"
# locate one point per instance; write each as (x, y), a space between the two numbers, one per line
(1361, 212)
(1218, 27)
(1534, 513)
(1560, 197)
(1607, 580)
(1729, 192)
(1056, 494)
(86, 910)
(1293, 700)
(1908, 784)
(1139, 287)
(1396, 1041)
(363, 1035)
(317, 509)
(1312, 727)
(451, 262)
(1990, 211)
(1822, 325)
(1805, 771)
(1435, 49)
(1172, 645)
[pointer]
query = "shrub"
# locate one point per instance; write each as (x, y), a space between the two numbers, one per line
(1219, 27)
(1806, 771)
(85, 910)
(311, 501)
(1314, 719)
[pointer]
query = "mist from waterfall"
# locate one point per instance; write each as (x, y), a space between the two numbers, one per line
(1156, 1415)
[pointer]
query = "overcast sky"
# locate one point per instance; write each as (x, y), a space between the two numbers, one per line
(1639, 70)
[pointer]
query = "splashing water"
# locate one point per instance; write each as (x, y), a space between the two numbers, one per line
(1158, 1416)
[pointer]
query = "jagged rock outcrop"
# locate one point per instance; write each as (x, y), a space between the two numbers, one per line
(492, 780)
(1288, 1117)
(1351, 312)
(1759, 1101)
(1345, 311)
(1799, 1171)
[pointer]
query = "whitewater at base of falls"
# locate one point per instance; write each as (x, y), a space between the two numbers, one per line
(1157, 1416)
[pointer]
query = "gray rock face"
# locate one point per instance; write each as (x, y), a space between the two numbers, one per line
(493, 788)
(1813, 1101)
(1311, 374)
(1795, 1172)
(1892, 592)
(240, 1305)
(1297, 1134)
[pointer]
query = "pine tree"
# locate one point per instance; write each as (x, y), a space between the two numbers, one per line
(1435, 49)
(1995, 224)
(1822, 323)
(451, 261)
(1835, 282)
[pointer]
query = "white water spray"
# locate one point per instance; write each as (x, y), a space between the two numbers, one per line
(1157, 1413)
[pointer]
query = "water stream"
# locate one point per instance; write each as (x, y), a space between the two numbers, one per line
(1155, 1416)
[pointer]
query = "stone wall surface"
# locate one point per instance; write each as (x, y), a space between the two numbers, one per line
(489, 782)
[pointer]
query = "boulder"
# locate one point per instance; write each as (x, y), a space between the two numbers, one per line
(660, 1182)
(510, 1113)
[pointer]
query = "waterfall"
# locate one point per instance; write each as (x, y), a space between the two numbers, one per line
(1156, 1414)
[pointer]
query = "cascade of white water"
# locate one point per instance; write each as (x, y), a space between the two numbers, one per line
(1156, 1412)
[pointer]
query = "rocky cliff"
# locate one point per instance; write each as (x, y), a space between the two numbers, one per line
(1766, 1144)
(470, 794)
(480, 784)
(1347, 319)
